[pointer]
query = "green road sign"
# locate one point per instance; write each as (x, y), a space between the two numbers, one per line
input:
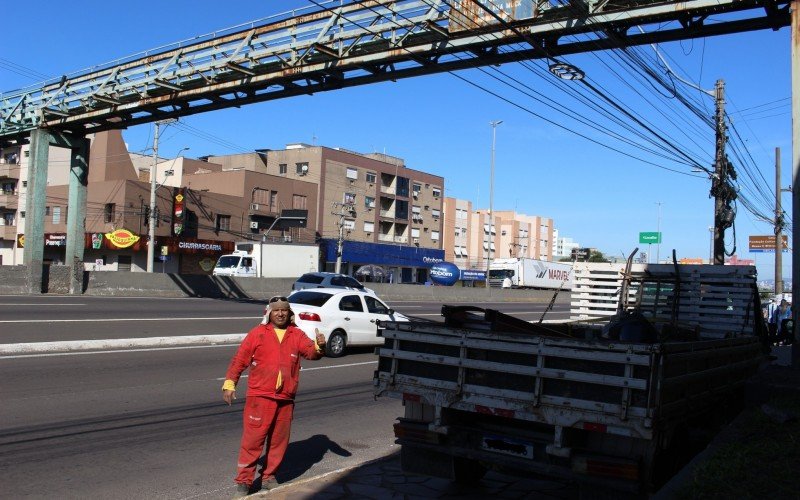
(650, 237)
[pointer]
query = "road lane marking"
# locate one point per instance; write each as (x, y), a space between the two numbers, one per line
(48, 304)
(116, 320)
(114, 351)
(312, 368)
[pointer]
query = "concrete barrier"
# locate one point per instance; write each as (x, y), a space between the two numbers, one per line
(129, 284)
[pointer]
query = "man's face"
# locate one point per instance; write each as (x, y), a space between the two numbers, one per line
(280, 317)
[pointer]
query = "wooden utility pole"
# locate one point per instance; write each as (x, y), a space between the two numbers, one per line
(778, 225)
(720, 181)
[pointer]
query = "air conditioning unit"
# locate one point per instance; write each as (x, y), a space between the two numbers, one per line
(253, 224)
(255, 206)
(287, 238)
(415, 194)
(303, 169)
(416, 241)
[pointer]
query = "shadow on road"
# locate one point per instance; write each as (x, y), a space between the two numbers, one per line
(302, 456)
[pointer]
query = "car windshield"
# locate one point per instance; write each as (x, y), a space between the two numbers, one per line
(228, 261)
(500, 273)
(347, 281)
(309, 298)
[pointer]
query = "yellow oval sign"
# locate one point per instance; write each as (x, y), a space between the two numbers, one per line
(122, 238)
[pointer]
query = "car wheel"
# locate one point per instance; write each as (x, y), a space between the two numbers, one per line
(335, 345)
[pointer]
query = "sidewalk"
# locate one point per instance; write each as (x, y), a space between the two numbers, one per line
(383, 479)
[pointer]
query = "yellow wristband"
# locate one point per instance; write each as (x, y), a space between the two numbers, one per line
(228, 385)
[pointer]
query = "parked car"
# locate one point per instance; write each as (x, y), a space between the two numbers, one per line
(328, 280)
(346, 317)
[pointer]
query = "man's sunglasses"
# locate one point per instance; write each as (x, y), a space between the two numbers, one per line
(276, 299)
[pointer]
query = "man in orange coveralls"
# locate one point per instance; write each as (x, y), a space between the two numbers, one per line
(272, 350)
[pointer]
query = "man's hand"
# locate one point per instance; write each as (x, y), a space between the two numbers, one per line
(228, 396)
(320, 338)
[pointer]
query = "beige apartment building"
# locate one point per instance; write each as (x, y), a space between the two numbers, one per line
(471, 240)
(390, 215)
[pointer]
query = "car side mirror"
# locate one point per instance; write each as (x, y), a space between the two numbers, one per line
(390, 312)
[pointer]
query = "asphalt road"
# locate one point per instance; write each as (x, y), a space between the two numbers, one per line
(151, 423)
(56, 318)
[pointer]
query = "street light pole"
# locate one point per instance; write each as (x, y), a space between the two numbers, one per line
(151, 233)
(658, 232)
(494, 125)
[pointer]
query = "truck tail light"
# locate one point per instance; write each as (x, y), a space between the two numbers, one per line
(307, 316)
(606, 467)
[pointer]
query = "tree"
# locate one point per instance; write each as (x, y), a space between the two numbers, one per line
(597, 256)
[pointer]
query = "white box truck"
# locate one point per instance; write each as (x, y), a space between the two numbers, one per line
(531, 273)
(268, 260)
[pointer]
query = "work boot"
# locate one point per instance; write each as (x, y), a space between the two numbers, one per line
(242, 490)
(269, 483)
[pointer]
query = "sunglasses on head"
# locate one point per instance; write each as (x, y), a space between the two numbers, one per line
(276, 299)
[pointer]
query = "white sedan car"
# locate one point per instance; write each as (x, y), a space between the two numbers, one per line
(346, 317)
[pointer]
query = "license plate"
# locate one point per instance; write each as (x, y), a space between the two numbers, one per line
(507, 446)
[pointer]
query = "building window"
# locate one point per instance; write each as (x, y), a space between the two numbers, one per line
(24, 184)
(22, 214)
(261, 196)
(301, 168)
(435, 235)
(349, 198)
(47, 210)
(223, 222)
(369, 201)
(282, 168)
(273, 201)
(56, 215)
(27, 153)
(108, 213)
(349, 224)
(437, 192)
(369, 227)
(415, 232)
(436, 213)
(352, 173)
(371, 177)
(299, 202)
(415, 190)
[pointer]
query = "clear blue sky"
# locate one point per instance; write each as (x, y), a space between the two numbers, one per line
(440, 124)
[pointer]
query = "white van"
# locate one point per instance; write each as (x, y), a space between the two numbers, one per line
(239, 264)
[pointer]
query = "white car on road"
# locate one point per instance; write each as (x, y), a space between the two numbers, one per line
(346, 317)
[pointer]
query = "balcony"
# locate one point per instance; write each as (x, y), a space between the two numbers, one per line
(8, 232)
(8, 200)
(387, 189)
(389, 214)
(388, 238)
(9, 171)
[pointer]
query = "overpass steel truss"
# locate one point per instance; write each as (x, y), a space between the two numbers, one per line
(356, 44)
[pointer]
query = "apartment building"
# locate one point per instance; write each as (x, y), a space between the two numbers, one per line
(473, 237)
(389, 214)
(201, 209)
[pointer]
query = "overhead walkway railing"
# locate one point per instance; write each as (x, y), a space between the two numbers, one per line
(341, 45)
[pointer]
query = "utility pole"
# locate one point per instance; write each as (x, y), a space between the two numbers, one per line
(720, 189)
(342, 210)
(778, 225)
(151, 231)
